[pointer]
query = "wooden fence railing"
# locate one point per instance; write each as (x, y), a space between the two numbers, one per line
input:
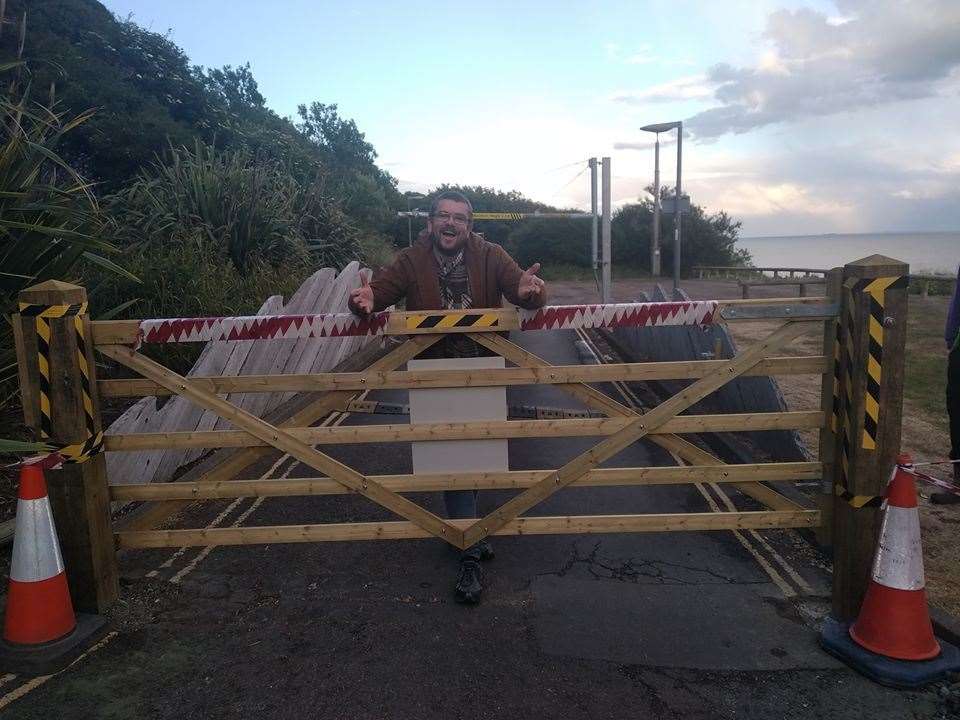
(757, 277)
(62, 393)
(735, 271)
(924, 283)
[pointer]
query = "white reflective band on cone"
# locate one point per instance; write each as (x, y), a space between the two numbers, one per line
(899, 560)
(36, 554)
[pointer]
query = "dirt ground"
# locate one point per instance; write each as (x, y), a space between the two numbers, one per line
(925, 429)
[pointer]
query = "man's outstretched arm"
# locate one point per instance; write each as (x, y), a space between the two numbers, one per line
(521, 287)
(387, 289)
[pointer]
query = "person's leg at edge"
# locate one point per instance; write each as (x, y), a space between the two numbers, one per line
(953, 408)
(953, 411)
(469, 586)
(463, 504)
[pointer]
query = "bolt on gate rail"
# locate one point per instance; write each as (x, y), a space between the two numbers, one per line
(861, 321)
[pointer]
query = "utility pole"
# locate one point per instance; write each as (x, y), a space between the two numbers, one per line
(606, 290)
(655, 243)
(594, 224)
(410, 216)
(677, 215)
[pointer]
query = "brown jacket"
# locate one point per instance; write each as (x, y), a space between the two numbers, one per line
(413, 274)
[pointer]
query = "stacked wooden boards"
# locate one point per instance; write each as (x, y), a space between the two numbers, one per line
(324, 291)
(743, 395)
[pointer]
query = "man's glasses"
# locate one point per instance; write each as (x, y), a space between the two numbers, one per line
(457, 219)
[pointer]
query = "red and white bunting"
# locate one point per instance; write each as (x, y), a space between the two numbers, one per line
(557, 317)
(260, 327)
(656, 314)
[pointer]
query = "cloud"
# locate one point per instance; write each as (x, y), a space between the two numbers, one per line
(643, 144)
(874, 53)
(691, 87)
(833, 187)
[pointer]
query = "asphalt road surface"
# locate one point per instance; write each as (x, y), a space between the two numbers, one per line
(657, 625)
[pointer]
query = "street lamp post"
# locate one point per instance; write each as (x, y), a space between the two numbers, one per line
(655, 249)
(655, 243)
(677, 215)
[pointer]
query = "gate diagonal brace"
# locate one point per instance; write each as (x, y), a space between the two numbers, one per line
(229, 468)
(593, 398)
(556, 479)
(283, 441)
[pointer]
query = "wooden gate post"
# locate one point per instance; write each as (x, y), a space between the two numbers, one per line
(829, 399)
(60, 403)
(873, 328)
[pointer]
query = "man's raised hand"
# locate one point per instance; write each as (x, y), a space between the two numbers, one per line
(530, 285)
(362, 297)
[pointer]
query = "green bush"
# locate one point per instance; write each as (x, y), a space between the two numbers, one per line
(552, 242)
(248, 207)
(190, 279)
(706, 239)
(50, 221)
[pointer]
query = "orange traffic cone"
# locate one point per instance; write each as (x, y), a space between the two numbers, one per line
(40, 630)
(892, 639)
(38, 602)
(894, 620)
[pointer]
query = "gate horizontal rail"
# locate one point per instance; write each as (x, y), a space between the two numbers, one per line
(499, 429)
(397, 530)
(558, 317)
(513, 479)
(418, 379)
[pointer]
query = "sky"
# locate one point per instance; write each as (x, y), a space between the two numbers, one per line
(801, 117)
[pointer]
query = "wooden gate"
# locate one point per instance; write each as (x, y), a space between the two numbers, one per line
(72, 417)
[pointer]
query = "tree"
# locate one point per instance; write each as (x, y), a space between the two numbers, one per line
(140, 81)
(340, 140)
(483, 199)
(150, 98)
(707, 239)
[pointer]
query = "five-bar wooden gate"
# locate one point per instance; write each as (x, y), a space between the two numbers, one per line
(61, 397)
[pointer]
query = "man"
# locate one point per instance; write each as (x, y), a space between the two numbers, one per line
(952, 337)
(451, 267)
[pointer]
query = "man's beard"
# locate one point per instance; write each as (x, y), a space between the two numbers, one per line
(436, 237)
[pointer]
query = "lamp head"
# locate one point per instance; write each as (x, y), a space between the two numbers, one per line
(662, 127)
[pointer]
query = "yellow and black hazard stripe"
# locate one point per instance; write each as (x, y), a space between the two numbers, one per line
(452, 320)
(76, 453)
(876, 289)
(843, 368)
(497, 216)
(858, 501)
(42, 314)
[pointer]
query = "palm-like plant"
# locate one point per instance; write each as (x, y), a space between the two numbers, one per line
(49, 217)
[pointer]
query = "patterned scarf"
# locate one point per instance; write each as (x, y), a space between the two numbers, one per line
(454, 283)
(454, 295)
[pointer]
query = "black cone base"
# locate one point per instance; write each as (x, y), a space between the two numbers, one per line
(836, 640)
(53, 656)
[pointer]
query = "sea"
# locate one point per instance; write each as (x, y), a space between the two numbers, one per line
(925, 252)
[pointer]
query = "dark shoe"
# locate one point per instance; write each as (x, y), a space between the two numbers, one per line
(944, 498)
(486, 550)
(480, 551)
(469, 583)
